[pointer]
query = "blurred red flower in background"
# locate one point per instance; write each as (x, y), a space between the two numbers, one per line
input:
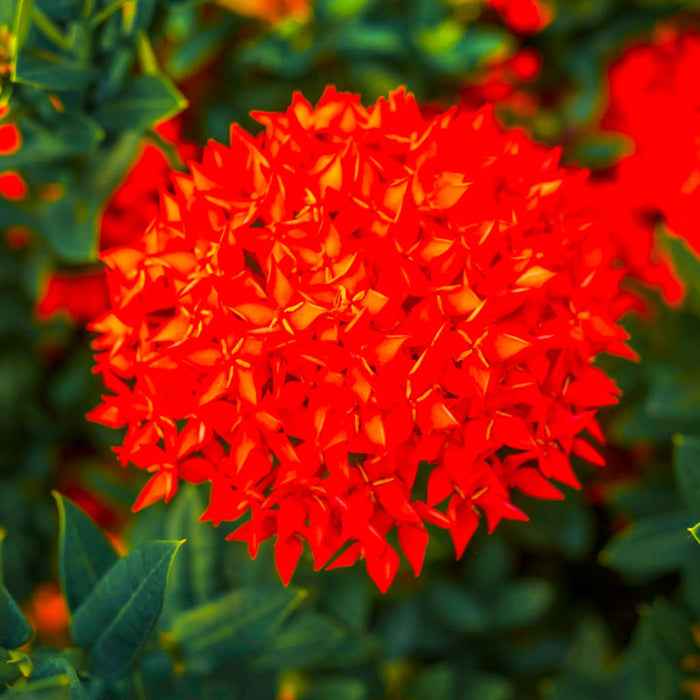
(524, 16)
(504, 84)
(82, 295)
(652, 100)
(12, 186)
(354, 295)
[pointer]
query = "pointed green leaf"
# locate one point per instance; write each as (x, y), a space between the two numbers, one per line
(695, 532)
(53, 666)
(70, 133)
(116, 620)
(687, 466)
(233, 625)
(21, 24)
(84, 553)
(51, 72)
(655, 545)
(14, 628)
(145, 100)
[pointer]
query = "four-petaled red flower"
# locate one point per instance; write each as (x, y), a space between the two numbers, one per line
(352, 297)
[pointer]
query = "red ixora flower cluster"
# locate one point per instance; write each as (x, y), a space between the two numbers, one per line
(351, 298)
(652, 102)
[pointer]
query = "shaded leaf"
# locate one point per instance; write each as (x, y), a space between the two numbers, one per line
(142, 102)
(53, 666)
(55, 688)
(84, 553)
(53, 73)
(233, 625)
(651, 547)
(116, 620)
(14, 628)
(305, 640)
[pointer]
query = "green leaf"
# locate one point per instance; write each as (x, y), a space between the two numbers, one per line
(685, 260)
(21, 24)
(53, 666)
(69, 226)
(695, 532)
(61, 9)
(687, 466)
(145, 100)
(346, 594)
(69, 134)
(234, 625)
(652, 667)
(116, 620)
(305, 640)
(675, 393)
(84, 553)
(654, 546)
(196, 572)
(56, 688)
(14, 628)
(523, 602)
(456, 608)
(50, 72)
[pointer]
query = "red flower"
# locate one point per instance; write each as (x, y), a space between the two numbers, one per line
(524, 16)
(12, 185)
(82, 296)
(651, 101)
(354, 295)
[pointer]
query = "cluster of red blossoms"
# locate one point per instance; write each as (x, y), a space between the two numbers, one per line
(352, 297)
(650, 101)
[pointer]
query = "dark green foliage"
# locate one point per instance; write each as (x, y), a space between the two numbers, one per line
(588, 600)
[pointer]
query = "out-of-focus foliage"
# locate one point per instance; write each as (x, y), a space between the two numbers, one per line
(598, 596)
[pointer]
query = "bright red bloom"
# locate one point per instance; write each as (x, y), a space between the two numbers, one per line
(652, 101)
(354, 295)
(82, 296)
(524, 16)
(12, 185)
(10, 139)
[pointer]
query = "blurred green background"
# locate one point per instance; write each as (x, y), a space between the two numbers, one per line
(597, 597)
